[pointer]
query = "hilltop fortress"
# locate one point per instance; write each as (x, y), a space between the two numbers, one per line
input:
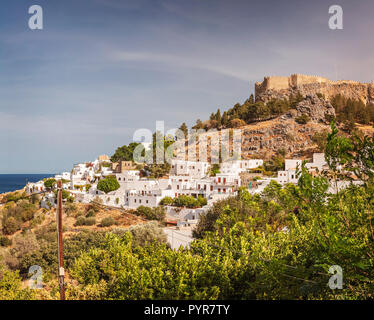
(282, 87)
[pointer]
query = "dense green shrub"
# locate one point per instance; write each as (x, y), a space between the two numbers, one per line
(185, 201)
(146, 233)
(90, 221)
(107, 222)
(189, 201)
(11, 286)
(10, 226)
(90, 213)
(15, 196)
(80, 221)
(83, 221)
(157, 213)
(5, 242)
(303, 119)
(166, 201)
(108, 184)
(71, 209)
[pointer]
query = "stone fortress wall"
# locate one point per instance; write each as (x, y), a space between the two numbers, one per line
(281, 87)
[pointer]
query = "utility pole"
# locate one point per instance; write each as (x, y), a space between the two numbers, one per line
(61, 271)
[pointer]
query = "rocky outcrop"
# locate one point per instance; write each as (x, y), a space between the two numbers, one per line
(316, 108)
(265, 139)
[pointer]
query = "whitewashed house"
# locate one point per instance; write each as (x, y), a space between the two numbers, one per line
(318, 163)
(195, 169)
(235, 167)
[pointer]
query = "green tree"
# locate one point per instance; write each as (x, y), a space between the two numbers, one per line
(198, 125)
(167, 201)
(124, 153)
(320, 139)
(218, 117)
(50, 183)
(108, 184)
(214, 170)
(11, 286)
(225, 120)
(184, 129)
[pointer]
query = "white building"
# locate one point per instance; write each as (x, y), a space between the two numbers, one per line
(319, 162)
(63, 176)
(288, 176)
(35, 187)
(150, 198)
(194, 169)
(237, 166)
(292, 164)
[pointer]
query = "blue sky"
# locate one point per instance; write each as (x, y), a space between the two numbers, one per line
(101, 69)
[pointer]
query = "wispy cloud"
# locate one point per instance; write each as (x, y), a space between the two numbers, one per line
(180, 62)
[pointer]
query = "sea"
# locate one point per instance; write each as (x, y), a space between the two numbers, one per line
(12, 182)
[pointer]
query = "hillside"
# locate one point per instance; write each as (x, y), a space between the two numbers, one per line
(288, 113)
(291, 132)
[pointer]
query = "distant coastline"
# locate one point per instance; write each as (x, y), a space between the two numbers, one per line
(13, 182)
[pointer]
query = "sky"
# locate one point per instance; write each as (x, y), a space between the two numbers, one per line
(101, 69)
